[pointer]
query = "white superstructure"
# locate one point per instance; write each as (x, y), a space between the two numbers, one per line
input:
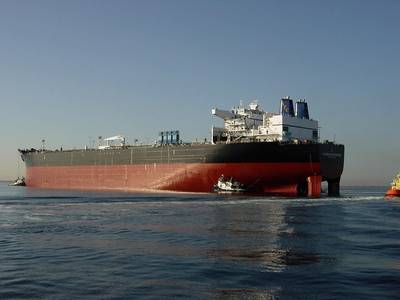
(117, 141)
(252, 123)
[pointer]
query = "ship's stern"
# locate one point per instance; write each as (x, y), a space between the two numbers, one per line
(332, 163)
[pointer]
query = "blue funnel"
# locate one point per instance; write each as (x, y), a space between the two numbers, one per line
(302, 110)
(287, 107)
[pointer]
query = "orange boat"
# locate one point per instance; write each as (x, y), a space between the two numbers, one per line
(394, 190)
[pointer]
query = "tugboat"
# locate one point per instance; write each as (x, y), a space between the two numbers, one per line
(394, 191)
(18, 182)
(228, 185)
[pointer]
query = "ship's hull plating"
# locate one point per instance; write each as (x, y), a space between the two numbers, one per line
(261, 167)
(257, 177)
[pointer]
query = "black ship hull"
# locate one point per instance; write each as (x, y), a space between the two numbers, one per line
(263, 167)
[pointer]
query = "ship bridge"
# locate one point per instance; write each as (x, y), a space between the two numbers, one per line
(251, 123)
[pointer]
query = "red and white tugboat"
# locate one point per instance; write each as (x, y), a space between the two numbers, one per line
(18, 182)
(394, 190)
(230, 185)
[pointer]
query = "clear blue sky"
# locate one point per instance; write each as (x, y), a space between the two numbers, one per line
(71, 70)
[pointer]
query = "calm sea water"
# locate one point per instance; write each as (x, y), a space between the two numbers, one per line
(75, 245)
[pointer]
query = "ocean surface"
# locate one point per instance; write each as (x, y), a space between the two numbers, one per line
(90, 245)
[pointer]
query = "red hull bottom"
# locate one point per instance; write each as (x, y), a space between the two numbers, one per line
(269, 178)
(393, 193)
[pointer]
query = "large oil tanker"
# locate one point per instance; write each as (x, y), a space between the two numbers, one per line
(268, 153)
